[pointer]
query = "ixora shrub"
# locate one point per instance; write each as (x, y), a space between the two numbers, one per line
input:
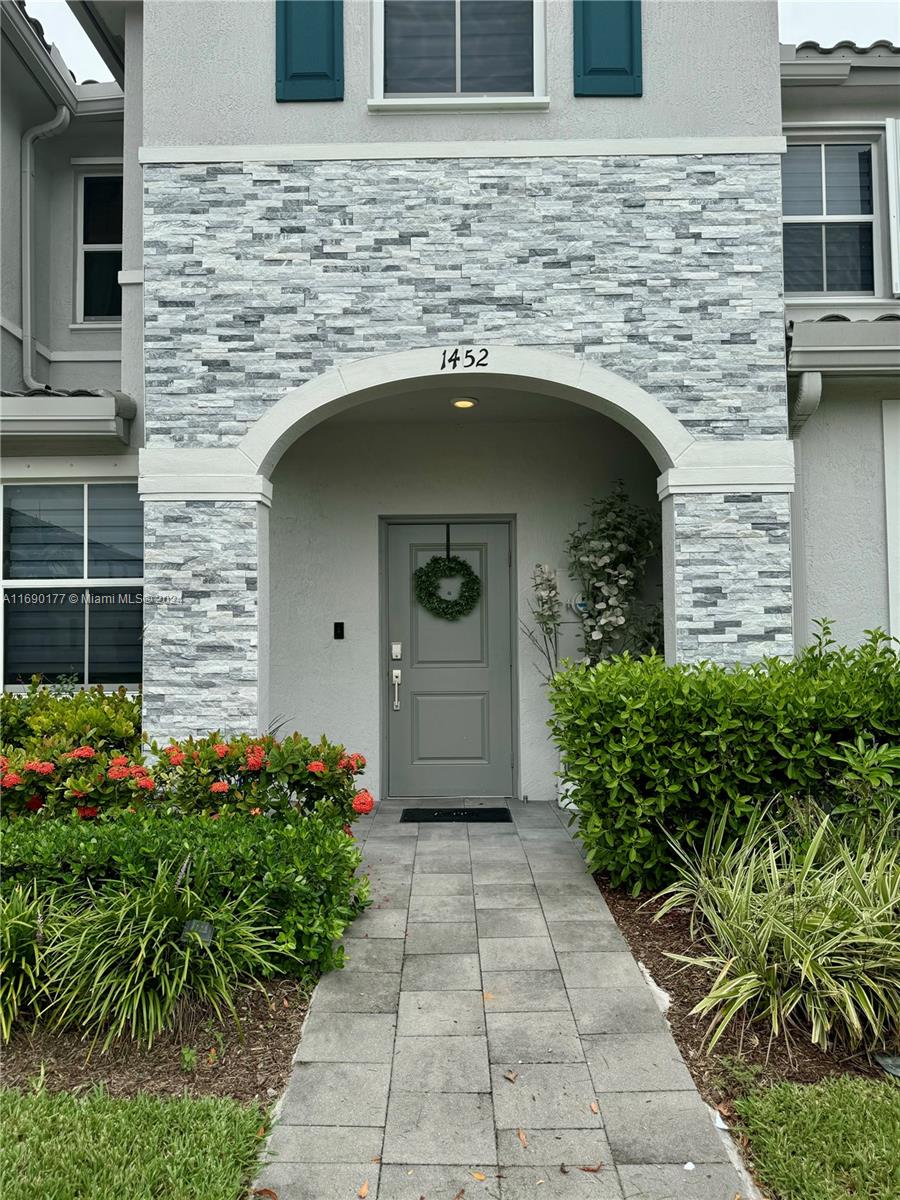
(211, 774)
(801, 935)
(654, 752)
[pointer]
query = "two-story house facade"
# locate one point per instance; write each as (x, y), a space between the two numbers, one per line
(411, 278)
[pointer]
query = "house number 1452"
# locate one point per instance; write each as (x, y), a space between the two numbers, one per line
(458, 359)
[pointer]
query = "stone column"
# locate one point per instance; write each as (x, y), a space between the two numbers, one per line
(727, 569)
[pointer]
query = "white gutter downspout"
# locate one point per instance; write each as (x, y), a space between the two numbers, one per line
(46, 130)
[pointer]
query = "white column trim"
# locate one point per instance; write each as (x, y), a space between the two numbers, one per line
(890, 420)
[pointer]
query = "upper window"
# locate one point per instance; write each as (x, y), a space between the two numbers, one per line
(63, 546)
(461, 53)
(828, 213)
(460, 47)
(99, 248)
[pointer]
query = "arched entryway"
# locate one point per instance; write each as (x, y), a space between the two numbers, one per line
(725, 565)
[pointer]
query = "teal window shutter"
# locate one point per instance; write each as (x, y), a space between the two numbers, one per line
(309, 49)
(608, 48)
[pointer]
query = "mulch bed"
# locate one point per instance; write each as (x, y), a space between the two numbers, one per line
(203, 1056)
(742, 1057)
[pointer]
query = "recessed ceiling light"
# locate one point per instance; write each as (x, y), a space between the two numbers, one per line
(464, 402)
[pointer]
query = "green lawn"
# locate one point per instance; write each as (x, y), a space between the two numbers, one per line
(837, 1140)
(63, 1147)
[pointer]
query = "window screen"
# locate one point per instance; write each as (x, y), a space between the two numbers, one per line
(458, 47)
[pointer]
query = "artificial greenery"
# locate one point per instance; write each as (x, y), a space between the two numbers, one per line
(426, 585)
(652, 751)
(62, 1146)
(608, 555)
(546, 612)
(800, 935)
(836, 1139)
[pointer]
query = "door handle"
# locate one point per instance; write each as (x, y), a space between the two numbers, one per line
(395, 680)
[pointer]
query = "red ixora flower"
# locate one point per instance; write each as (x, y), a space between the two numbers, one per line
(255, 812)
(353, 763)
(81, 752)
(4, 762)
(116, 773)
(34, 803)
(256, 758)
(87, 811)
(221, 749)
(119, 761)
(363, 802)
(176, 757)
(39, 768)
(317, 767)
(10, 779)
(145, 782)
(137, 771)
(219, 787)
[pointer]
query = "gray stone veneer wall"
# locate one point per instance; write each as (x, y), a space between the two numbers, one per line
(732, 576)
(201, 617)
(260, 276)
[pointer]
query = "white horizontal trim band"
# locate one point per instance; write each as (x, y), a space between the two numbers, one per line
(133, 275)
(487, 104)
(401, 151)
(87, 468)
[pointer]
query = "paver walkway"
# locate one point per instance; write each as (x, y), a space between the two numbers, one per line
(490, 1035)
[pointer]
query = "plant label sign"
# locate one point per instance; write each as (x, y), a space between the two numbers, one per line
(464, 358)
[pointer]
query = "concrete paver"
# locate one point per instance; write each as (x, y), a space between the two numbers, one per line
(490, 1036)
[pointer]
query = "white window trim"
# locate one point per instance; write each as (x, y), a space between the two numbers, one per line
(832, 136)
(75, 583)
(539, 101)
(81, 249)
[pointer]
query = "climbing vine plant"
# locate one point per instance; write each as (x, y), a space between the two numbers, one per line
(608, 555)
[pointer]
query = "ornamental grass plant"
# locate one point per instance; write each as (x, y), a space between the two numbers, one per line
(123, 959)
(801, 935)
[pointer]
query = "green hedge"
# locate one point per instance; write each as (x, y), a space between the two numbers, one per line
(50, 720)
(651, 750)
(300, 867)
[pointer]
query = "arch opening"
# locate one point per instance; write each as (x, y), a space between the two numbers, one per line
(506, 367)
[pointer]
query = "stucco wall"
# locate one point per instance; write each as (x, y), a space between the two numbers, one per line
(839, 518)
(330, 489)
(23, 105)
(710, 68)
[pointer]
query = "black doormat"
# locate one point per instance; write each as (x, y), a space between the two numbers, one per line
(422, 815)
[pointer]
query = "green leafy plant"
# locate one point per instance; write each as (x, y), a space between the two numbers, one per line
(653, 752)
(546, 613)
(123, 959)
(46, 721)
(608, 555)
(188, 1059)
(801, 936)
(23, 914)
(300, 866)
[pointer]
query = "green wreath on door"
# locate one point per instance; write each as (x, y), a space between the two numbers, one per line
(426, 584)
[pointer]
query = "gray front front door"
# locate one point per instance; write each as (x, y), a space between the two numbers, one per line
(450, 716)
